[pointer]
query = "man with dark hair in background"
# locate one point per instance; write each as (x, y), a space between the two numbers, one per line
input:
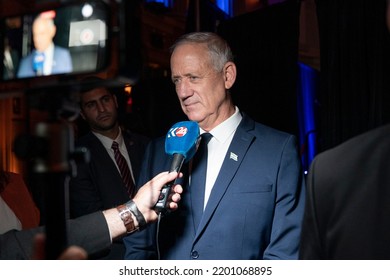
(109, 178)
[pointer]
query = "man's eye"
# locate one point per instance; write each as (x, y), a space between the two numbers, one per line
(90, 105)
(107, 99)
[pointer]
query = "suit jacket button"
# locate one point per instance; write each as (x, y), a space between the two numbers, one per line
(194, 254)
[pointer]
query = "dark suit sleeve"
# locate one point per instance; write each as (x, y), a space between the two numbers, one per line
(17, 245)
(89, 232)
(310, 245)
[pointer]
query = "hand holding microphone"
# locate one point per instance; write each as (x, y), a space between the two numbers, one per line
(180, 142)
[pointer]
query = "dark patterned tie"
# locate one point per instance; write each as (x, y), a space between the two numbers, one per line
(124, 169)
(198, 176)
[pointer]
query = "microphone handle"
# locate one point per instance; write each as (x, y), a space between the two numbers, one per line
(162, 203)
(177, 162)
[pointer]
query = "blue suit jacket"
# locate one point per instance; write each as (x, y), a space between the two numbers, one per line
(254, 211)
(62, 63)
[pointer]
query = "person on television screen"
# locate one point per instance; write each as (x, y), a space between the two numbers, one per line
(46, 58)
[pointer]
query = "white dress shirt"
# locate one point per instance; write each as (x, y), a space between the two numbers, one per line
(217, 148)
(48, 62)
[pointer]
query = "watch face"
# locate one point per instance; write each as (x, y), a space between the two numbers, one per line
(125, 215)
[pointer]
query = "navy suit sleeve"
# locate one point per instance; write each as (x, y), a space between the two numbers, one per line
(141, 245)
(25, 68)
(289, 207)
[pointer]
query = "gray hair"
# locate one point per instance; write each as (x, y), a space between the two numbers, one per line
(218, 49)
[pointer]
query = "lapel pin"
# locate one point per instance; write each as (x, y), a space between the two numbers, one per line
(233, 156)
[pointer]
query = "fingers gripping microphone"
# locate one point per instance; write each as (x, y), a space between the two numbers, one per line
(180, 142)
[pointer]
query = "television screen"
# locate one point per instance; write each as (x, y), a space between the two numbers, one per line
(66, 40)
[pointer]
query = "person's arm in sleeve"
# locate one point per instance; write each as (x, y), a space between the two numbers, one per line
(106, 225)
(290, 202)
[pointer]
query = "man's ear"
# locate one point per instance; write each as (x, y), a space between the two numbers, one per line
(230, 73)
(53, 31)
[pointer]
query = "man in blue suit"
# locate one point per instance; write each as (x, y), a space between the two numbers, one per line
(46, 58)
(253, 200)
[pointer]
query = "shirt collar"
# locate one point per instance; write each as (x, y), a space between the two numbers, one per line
(107, 142)
(49, 52)
(222, 132)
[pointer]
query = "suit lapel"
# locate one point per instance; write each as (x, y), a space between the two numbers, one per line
(197, 201)
(233, 159)
(133, 154)
(54, 65)
(103, 159)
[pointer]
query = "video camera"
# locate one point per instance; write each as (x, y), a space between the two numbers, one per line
(91, 38)
(100, 37)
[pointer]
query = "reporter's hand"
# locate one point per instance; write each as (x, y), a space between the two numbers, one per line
(147, 196)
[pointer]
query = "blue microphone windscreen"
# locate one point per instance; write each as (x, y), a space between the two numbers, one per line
(182, 139)
(38, 61)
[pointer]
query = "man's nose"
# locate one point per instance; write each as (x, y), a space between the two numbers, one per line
(183, 88)
(101, 107)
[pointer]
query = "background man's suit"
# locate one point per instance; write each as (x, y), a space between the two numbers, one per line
(237, 221)
(62, 63)
(348, 200)
(98, 184)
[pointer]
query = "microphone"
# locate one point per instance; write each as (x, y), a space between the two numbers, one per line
(38, 61)
(180, 142)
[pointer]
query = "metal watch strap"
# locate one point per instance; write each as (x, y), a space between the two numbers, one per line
(138, 215)
(125, 215)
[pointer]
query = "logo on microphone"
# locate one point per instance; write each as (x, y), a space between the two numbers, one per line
(178, 131)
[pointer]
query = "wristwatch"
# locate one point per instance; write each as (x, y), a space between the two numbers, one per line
(125, 215)
(137, 214)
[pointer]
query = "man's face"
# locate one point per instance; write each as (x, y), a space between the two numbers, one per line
(99, 109)
(200, 88)
(43, 33)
